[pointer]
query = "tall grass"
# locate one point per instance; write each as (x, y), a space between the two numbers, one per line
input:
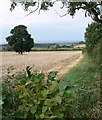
(85, 76)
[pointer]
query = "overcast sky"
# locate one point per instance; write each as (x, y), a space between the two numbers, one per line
(46, 27)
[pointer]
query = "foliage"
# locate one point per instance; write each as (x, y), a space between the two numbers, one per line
(9, 85)
(93, 37)
(92, 9)
(56, 47)
(35, 96)
(39, 98)
(86, 77)
(20, 40)
(81, 42)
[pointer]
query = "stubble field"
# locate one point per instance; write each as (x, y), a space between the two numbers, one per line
(60, 61)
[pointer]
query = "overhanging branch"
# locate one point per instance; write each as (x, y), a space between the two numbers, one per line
(32, 11)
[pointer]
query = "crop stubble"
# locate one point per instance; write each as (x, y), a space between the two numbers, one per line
(45, 61)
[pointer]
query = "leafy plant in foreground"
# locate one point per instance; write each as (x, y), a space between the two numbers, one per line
(39, 98)
(35, 95)
(9, 98)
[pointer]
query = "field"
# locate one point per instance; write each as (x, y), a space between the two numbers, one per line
(43, 61)
(77, 92)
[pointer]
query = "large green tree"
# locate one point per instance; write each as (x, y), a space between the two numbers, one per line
(93, 38)
(20, 40)
(92, 9)
(93, 35)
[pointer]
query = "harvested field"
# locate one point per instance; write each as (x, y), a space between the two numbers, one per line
(45, 61)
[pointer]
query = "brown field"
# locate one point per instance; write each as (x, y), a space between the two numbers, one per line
(43, 61)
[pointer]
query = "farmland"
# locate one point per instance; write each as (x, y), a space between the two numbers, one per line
(43, 61)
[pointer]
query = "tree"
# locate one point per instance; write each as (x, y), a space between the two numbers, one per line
(20, 40)
(92, 9)
(81, 42)
(93, 35)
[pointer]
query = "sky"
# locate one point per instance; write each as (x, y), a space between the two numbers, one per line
(47, 27)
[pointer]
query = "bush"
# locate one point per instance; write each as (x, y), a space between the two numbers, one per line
(39, 98)
(9, 86)
(35, 95)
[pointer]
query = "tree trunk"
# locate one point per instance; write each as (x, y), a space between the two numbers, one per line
(20, 53)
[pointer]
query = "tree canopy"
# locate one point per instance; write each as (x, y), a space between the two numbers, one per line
(20, 40)
(93, 36)
(92, 9)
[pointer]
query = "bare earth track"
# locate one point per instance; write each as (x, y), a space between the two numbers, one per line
(45, 61)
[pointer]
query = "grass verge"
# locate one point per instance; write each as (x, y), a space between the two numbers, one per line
(85, 77)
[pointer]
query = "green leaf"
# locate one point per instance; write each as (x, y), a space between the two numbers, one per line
(45, 92)
(48, 102)
(54, 86)
(58, 99)
(25, 115)
(52, 75)
(31, 101)
(33, 109)
(53, 116)
(21, 108)
(54, 104)
(23, 82)
(41, 76)
(58, 114)
(34, 78)
(42, 116)
(44, 108)
(1, 102)
(26, 109)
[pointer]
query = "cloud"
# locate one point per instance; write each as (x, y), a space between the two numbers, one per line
(18, 16)
(48, 25)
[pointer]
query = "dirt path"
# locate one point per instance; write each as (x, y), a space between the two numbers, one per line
(45, 61)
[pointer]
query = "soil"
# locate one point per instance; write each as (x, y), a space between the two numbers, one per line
(60, 61)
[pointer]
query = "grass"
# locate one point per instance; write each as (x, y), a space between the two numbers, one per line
(86, 77)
